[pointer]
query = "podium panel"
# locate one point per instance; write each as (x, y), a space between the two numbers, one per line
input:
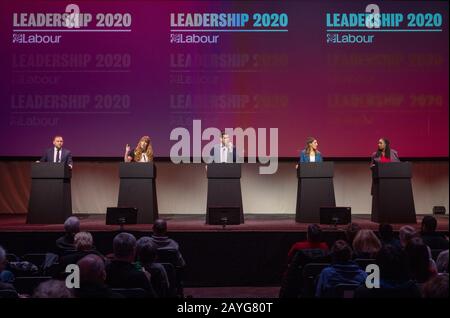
(224, 188)
(137, 189)
(392, 195)
(50, 197)
(315, 190)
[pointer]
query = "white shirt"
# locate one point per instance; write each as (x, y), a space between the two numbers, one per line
(312, 157)
(144, 158)
(223, 154)
(55, 151)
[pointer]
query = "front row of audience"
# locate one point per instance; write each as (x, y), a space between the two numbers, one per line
(406, 266)
(133, 264)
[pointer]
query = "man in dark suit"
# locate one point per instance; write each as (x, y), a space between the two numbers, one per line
(224, 152)
(58, 154)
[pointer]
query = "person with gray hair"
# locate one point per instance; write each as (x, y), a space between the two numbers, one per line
(65, 244)
(121, 272)
(406, 234)
(442, 262)
(92, 279)
(84, 245)
(52, 289)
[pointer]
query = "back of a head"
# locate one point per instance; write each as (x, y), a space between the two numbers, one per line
(141, 242)
(436, 287)
(124, 246)
(72, 225)
(52, 289)
(314, 233)
(418, 260)
(83, 241)
(351, 231)
(147, 253)
(160, 227)
(429, 224)
(366, 241)
(392, 263)
(92, 269)
(406, 234)
(341, 252)
(386, 232)
(442, 262)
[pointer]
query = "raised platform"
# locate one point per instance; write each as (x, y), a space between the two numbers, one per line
(196, 223)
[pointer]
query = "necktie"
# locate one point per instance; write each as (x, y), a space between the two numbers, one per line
(58, 159)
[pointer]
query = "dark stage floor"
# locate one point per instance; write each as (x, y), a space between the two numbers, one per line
(196, 223)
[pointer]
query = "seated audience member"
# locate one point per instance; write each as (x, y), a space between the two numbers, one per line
(52, 289)
(366, 244)
(406, 234)
(342, 271)
(83, 243)
(162, 241)
(386, 234)
(420, 266)
(436, 287)
(394, 280)
(92, 279)
(120, 272)
(429, 235)
(313, 241)
(146, 254)
(65, 244)
(442, 262)
(6, 277)
(350, 232)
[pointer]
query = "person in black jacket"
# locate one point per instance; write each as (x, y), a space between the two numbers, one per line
(121, 272)
(430, 237)
(65, 244)
(92, 279)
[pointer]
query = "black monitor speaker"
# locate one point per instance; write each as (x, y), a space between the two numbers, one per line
(121, 216)
(335, 215)
(224, 215)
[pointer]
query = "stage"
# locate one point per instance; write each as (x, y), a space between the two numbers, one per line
(196, 223)
(250, 254)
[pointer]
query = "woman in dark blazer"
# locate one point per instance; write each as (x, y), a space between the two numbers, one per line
(310, 153)
(384, 153)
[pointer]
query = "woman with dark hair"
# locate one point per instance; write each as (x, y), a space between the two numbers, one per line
(384, 153)
(310, 153)
(142, 153)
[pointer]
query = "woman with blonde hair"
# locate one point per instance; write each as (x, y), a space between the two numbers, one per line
(142, 153)
(366, 244)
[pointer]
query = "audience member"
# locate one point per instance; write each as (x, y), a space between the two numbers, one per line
(313, 241)
(386, 234)
(394, 280)
(342, 271)
(162, 241)
(429, 235)
(120, 272)
(92, 278)
(146, 252)
(366, 244)
(65, 243)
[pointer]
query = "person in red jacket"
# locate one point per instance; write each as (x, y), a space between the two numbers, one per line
(313, 241)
